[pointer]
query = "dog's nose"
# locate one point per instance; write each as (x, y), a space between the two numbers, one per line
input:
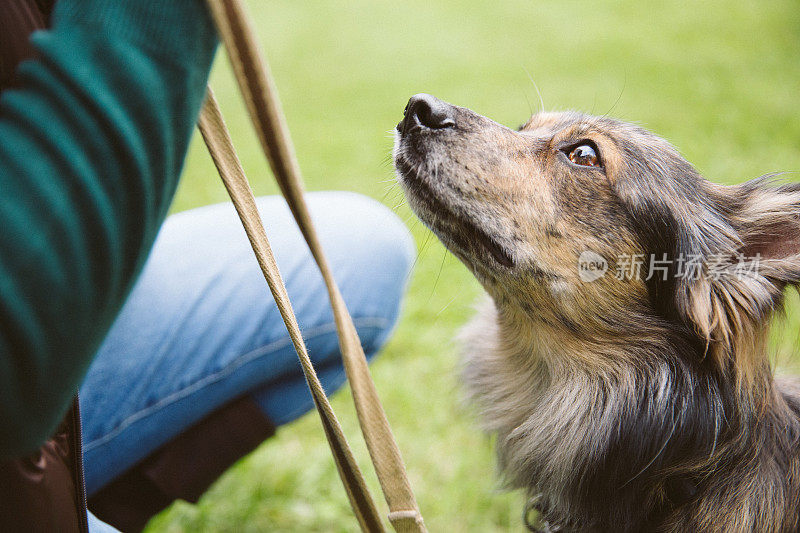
(426, 110)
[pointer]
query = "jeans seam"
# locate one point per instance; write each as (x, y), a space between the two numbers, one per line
(329, 327)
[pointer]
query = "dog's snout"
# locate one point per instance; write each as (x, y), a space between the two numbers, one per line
(427, 111)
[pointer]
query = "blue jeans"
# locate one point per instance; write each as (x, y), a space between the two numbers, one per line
(200, 327)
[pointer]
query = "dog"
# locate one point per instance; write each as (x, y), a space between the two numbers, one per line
(624, 399)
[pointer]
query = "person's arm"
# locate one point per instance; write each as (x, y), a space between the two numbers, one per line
(91, 146)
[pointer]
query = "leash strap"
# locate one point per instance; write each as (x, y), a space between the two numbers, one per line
(230, 169)
(259, 93)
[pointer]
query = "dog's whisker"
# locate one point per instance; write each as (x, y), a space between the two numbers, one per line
(619, 96)
(390, 190)
(528, 101)
(420, 252)
(443, 309)
(538, 92)
(438, 275)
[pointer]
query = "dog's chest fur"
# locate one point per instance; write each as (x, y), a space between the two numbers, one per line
(617, 449)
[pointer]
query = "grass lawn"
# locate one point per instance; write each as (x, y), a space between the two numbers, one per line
(720, 80)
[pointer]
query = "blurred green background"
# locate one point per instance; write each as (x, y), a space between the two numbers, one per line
(719, 80)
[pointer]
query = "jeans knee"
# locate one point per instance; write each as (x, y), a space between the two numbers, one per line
(363, 221)
(388, 244)
(371, 251)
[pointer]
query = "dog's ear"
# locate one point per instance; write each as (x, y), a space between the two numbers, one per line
(767, 219)
(730, 250)
(742, 283)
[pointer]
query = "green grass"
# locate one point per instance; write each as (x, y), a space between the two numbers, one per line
(718, 79)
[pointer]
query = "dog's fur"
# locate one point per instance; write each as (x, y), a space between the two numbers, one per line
(619, 404)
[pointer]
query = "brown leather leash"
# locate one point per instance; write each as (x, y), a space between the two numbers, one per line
(258, 90)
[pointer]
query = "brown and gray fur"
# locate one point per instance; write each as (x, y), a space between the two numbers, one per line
(619, 404)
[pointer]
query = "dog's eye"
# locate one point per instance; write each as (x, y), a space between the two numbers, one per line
(584, 155)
